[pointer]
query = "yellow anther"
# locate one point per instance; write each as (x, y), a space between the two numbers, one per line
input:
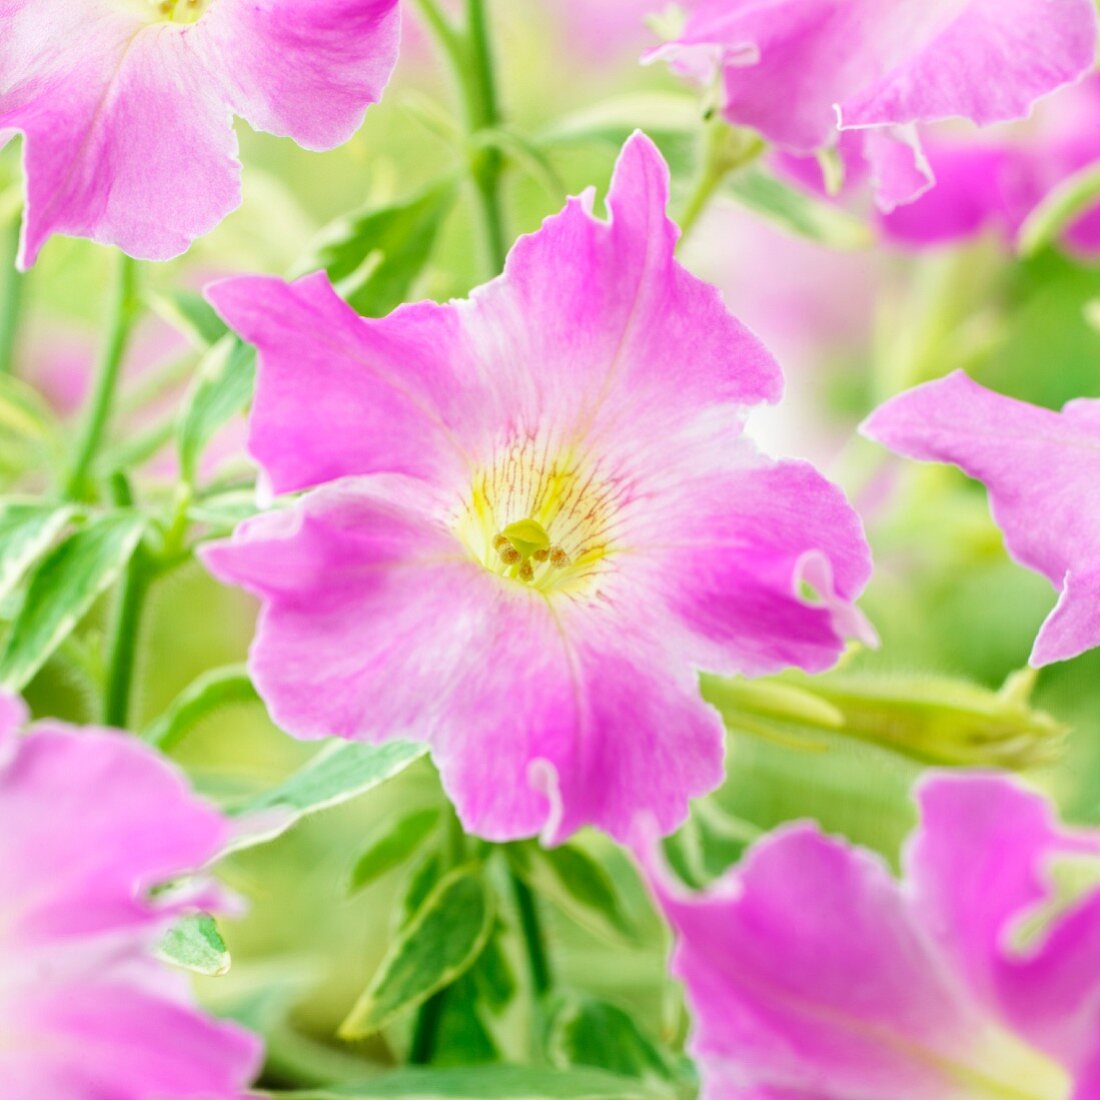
(541, 555)
(526, 572)
(559, 559)
(509, 555)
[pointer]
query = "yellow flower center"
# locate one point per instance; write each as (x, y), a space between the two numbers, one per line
(542, 521)
(172, 11)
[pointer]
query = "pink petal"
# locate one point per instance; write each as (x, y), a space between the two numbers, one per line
(127, 1034)
(340, 395)
(305, 69)
(729, 553)
(377, 625)
(979, 865)
(592, 315)
(989, 63)
(808, 976)
(969, 196)
(89, 821)
(126, 139)
(369, 604)
(90, 818)
(1041, 470)
(127, 121)
(583, 718)
(898, 167)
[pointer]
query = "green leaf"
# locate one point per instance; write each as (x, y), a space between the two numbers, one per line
(27, 529)
(215, 688)
(192, 315)
(435, 949)
(373, 257)
(576, 883)
(222, 389)
(588, 1032)
(62, 589)
(392, 847)
(1061, 207)
(195, 944)
(796, 211)
(486, 1083)
(341, 771)
(425, 874)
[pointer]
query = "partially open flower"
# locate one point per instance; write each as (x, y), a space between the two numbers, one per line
(537, 519)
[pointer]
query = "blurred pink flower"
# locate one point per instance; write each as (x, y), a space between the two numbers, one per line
(90, 820)
(1042, 470)
(812, 972)
(538, 518)
(126, 105)
(607, 27)
(996, 181)
(801, 71)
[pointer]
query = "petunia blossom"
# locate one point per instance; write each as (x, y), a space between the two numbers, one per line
(801, 71)
(813, 973)
(90, 820)
(995, 181)
(126, 106)
(536, 517)
(1042, 470)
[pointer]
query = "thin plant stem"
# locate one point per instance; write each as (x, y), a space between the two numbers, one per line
(470, 57)
(121, 314)
(725, 150)
(534, 937)
(484, 114)
(125, 628)
(11, 296)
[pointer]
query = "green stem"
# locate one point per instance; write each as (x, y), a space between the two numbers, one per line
(122, 313)
(471, 61)
(726, 149)
(11, 297)
(122, 639)
(533, 936)
(484, 114)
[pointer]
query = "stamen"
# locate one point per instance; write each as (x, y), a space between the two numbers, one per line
(510, 555)
(526, 572)
(559, 559)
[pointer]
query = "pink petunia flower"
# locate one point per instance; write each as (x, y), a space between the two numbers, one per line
(126, 105)
(1042, 470)
(812, 973)
(995, 182)
(89, 821)
(538, 517)
(801, 71)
